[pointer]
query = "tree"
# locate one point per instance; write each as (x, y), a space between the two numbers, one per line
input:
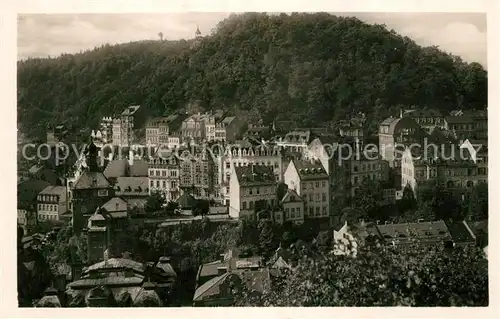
(368, 197)
(171, 208)
(154, 202)
(477, 205)
(201, 207)
(418, 276)
(266, 237)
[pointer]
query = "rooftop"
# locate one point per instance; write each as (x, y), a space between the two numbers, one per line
(130, 110)
(136, 186)
(423, 231)
(228, 120)
(91, 180)
(308, 170)
(54, 190)
(253, 175)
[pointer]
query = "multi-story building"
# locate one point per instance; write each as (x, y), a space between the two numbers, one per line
(258, 132)
(454, 169)
(310, 181)
(229, 129)
(427, 119)
(52, 203)
(164, 176)
(252, 188)
(468, 125)
(90, 191)
(394, 134)
(123, 127)
(292, 209)
(174, 141)
(107, 129)
(243, 153)
(194, 128)
(196, 172)
(27, 192)
(210, 127)
(159, 130)
(296, 141)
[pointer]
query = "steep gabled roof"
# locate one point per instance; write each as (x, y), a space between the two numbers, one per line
(91, 180)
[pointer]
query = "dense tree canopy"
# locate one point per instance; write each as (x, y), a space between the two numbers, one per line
(378, 276)
(310, 68)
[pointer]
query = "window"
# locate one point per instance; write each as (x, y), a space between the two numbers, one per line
(258, 190)
(228, 165)
(251, 204)
(164, 173)
(292, 212)
(317, 211)
(317, 184)
(298, 212)
(157, 173)
(310, 197)
(244, 205)
(323, 197)
(311, 211)
(158, 184)
(317, 197)
(151, 183)
(250, 191)
(324, 211)
(102, 192)
(355, 180)
(323, 184)
(164, 184)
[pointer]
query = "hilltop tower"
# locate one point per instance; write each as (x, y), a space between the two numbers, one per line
(197, 38)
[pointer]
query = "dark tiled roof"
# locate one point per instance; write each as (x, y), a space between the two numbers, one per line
(255, 175)
(424, 231)
(27, 192)
(289, 195)
(390, 121)
(54, 190)
(256, 280)
(115, 204)
(117, 263)
(459, 232)
(139, 168)
(91, 180)
(132, 186)
(423, 113)
(228, 120)
(310, 171)
(461, 119)
(122, 167)
(186, 201)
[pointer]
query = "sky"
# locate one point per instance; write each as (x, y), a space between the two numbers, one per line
(41, 35)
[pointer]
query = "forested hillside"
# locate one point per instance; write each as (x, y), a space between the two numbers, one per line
(310, 68)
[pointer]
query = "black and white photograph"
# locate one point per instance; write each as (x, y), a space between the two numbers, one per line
(252, 159)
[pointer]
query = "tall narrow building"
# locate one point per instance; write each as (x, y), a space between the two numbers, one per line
(90, 191)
